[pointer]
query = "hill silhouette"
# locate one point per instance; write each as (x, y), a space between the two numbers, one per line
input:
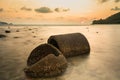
(113, 19)
(5, 23)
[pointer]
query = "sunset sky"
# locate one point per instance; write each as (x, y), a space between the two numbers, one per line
(56, 11)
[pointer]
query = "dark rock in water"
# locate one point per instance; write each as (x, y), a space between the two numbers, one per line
(16, 37)
(70, 44)
(17, 31)
(29, 29)
(41, 39)
(34, 36)
(97, 32)
(7, 31)
(2, 36)
(45, 61)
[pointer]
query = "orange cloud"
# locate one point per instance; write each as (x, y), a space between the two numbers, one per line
(26, 9)
(1, 9)
(61, 9)
(43, 10)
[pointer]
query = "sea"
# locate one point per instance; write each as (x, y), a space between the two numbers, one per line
(103, 62)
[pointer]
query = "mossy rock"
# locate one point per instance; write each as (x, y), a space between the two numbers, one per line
(45, 61)
(70, 45)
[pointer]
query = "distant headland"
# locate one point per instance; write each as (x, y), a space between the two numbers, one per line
(113, 19)
(4, 23)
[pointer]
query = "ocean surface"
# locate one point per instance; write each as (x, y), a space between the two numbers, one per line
(103, 63)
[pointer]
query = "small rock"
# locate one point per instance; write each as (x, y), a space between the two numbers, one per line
(41, 39)
(34, 36)
(2, 36)
(30, 29)
(8, 27)
(97, 32)
(16, 37)
(7, 31)
(17, 31)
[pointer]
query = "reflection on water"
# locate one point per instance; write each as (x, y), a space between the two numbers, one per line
(102, 63)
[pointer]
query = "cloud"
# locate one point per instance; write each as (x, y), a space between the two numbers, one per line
(117, 1)
(1, 9)
(43, 10)
(26, 9)
(65, 10)
(57, 9)
(103, 1)
(61, 10)
(115, 8)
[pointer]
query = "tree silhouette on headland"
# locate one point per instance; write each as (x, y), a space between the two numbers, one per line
(113, 19)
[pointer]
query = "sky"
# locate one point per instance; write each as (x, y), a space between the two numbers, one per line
(56, 11)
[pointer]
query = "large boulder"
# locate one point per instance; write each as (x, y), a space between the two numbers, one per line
(70, 44)
(45, 61)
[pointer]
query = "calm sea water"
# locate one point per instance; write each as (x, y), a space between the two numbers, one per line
(103, 63)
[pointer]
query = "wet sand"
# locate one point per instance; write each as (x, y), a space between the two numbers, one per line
(102, 63)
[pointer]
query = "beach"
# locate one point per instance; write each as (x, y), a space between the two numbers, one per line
(101, 64)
